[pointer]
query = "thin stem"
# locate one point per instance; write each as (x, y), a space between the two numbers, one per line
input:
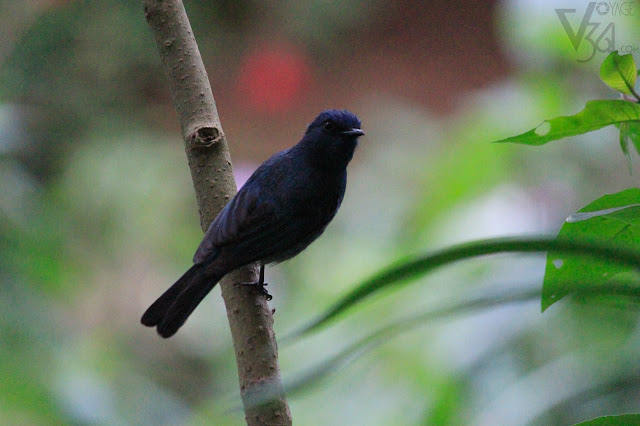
(399, 274)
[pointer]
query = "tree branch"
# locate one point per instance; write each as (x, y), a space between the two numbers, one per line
(250, 318)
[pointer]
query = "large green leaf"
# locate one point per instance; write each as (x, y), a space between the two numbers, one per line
(594, 116)
(619, 72)
(614, 220)
(625, 419)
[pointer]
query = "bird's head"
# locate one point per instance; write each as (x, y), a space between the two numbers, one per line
(333, 136)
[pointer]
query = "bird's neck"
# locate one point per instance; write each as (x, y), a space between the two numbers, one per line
(332, 158)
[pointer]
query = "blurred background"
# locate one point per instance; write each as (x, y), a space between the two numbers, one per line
(98, 215)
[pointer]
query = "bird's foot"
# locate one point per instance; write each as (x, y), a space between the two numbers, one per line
(260, 287)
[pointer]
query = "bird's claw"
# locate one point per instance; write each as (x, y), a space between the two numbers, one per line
(260, 287)
(264, 291)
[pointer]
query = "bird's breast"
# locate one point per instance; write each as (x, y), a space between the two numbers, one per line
(322, 197)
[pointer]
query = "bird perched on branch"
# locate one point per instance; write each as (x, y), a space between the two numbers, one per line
(284, 206)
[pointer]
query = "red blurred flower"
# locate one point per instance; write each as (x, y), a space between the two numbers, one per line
(273, 77)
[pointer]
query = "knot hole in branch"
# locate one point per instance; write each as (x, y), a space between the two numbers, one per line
(205, 137)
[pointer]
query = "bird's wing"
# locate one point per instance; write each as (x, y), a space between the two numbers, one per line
(243, 213)
(255, 230)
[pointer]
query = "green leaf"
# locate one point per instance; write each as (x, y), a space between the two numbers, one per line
(621, 292)
(614, 220)
(402, 273)
(624, 143)
(619, 72)
(594, 116)
(625, 419)
(633, 134)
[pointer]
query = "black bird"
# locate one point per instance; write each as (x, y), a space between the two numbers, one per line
(284, 206)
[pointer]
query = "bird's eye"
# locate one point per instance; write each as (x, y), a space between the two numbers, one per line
(329, 125)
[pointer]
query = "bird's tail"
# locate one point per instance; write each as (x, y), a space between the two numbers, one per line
(172, 309)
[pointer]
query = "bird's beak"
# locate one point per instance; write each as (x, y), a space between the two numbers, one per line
(354, 132)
